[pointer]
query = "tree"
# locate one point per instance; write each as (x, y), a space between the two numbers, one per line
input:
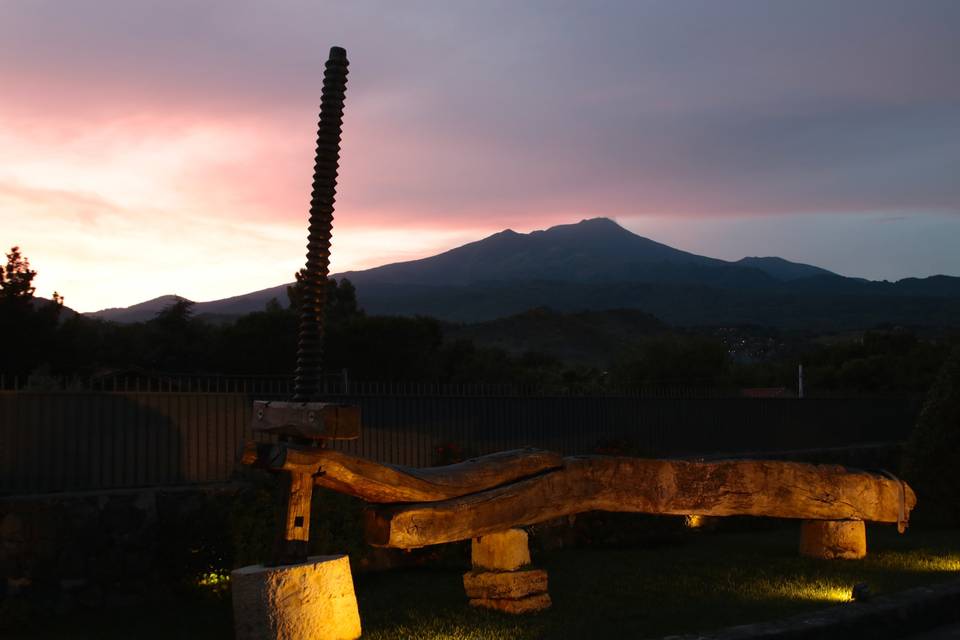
(175, 315)
(295, 290)
(667, 360)
(261, 342)
(16, 279)
(341, 300)
(385, 348)
(176, 340)
(27, 325)
(932, 454)
(273, 306)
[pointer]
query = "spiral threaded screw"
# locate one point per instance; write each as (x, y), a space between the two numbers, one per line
(314, 282)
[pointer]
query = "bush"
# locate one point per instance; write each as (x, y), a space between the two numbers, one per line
(252, 517)
(192, 535)
(932, 455)
(336, 524)
(204, 535)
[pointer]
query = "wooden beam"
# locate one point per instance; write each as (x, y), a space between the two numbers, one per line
(298, 507)
(383, 483)
(588, 483)
(310, 420)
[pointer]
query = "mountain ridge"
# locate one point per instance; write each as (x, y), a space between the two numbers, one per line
(597, 264)
(591, 248)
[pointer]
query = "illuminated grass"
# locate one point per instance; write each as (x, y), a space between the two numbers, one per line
(796, 589)
(921, 560)
(711, 581)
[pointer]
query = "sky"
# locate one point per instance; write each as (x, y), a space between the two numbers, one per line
(156, 147)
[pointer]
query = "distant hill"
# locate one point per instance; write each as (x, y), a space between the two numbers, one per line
(675, 304)
(66, 313)
(137, 312)
(597, 264)
(215, 309)
(783, 269)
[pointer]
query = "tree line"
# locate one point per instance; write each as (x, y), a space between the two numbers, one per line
(41, 338)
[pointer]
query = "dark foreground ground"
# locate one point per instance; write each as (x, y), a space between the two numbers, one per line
(701, 582)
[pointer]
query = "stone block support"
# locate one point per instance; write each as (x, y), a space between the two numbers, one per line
(833, 539)
(504, 584)
(498, 581)
(527, 604)
(503, 551)
(310, 600)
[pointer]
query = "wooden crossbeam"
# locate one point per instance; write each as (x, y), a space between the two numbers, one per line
(306, 420)
(525, 486)
(383, 483)
(588, 483)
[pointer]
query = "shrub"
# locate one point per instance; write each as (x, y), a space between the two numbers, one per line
(932, 455)
(336, 524)
(252, 518)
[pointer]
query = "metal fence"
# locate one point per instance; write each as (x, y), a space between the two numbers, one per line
(83, 440)
(340, 383)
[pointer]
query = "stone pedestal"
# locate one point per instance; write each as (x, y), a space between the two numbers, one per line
(833, 539)
(497, 581)
(504, 584)
(504, 551)
(311, 600)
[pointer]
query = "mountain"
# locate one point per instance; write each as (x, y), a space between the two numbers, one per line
(596, 264)
(596, 249)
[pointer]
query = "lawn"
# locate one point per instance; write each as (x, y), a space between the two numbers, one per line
(703, 581)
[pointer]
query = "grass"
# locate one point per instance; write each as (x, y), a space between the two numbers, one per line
(703, 582)
(711, 581)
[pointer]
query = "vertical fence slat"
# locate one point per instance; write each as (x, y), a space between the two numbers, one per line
(80, 452)
(8, 445)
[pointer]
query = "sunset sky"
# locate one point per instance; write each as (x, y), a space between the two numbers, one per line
(166, 146)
